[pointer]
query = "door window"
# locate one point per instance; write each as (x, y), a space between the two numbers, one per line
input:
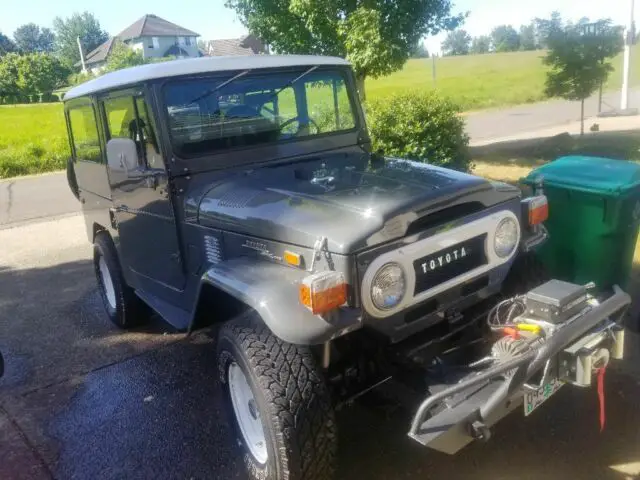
(128, 117)
(85, 134)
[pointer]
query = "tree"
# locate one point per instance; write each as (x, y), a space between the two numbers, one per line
(6, 45)
(122, 56)
(31, 38)
(545, 28)
(528, 37)
(419, 51)
(40, 73)
(456, 43)
(578, 63)
(9, 66)
(83, 25)
(505, 39)
(376, 36)
(481, 44)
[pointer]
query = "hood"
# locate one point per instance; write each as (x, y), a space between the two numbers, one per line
(352, 201)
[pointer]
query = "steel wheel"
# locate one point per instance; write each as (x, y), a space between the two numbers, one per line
(247, 414)
(107, 282)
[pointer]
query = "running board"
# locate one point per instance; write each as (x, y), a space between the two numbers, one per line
(174, 316)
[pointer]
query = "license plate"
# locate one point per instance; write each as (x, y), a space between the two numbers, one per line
(533, 400)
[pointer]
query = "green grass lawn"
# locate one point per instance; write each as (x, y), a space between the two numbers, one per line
(33, 139)
(484, 81)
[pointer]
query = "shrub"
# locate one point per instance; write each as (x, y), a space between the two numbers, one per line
(419, 126)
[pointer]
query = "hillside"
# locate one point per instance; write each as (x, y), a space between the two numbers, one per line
(484, 81)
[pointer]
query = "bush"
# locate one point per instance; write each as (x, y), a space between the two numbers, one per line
(419, 126)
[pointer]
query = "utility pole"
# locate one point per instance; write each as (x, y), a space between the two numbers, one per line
(433, 68)
(628, 41)
(84, 67)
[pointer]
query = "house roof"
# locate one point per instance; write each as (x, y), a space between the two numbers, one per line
(154, 26)
(191, 66)
(247, 45)
(99, 54)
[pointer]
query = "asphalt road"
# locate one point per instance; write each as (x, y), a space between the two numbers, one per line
(83, 400)
(505, 122)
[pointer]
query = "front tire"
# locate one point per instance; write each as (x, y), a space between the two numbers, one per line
(122, 305)
(278, 402)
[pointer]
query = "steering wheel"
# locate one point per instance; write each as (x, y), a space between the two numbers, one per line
(286, 123)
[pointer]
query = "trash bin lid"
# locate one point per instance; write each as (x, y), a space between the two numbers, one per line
(590, 174)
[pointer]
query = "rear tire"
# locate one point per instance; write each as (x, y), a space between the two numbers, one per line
(282, 396)
(122, 305)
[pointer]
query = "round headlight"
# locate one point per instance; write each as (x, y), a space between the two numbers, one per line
(506, 237)
(388, 286)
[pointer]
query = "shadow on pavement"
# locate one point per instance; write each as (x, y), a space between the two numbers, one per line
(53, 326)
(97, 403)
(624, 145)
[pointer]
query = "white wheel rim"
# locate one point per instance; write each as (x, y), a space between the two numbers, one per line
(247, 414)
(107, 283)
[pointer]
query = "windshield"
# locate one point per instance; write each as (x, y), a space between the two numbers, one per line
(209, 115)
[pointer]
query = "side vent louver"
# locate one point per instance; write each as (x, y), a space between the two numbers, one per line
(212, 249)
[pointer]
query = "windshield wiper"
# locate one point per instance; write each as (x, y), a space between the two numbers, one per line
(290, 83)
(218, 87)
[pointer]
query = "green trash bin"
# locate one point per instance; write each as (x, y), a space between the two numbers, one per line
(594, 212)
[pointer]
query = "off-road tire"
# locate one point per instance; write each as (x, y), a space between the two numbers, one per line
(292, 398)
(527, 272)
(130, 311)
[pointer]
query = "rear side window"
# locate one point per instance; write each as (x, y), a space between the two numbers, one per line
(85, 134)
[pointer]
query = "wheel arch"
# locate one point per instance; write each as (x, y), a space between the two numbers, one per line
(272, 291)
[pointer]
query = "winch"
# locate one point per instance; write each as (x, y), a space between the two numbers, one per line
(558, 333)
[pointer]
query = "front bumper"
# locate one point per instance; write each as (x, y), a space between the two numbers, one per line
(455, 415)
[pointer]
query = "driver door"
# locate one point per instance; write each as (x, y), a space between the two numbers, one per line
(148, 237)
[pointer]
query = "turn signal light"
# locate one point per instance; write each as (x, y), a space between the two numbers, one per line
(323, 291)
(538, 210)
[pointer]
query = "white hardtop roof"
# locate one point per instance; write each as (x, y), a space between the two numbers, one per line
(190, 66)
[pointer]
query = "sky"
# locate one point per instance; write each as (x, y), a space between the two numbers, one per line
(212, 20)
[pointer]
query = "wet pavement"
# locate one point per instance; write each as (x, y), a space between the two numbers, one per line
(82, 400)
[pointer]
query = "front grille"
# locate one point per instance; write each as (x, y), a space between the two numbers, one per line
(443, 265)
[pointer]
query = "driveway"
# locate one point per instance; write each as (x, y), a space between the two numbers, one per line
(83, 400)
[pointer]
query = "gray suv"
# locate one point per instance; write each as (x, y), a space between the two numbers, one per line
(243, 192)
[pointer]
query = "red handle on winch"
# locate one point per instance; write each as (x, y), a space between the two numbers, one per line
(600, 380)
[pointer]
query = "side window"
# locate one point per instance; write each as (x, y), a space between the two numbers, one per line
(128, 117)
(85, 134)
(148, 137)
(121, 117)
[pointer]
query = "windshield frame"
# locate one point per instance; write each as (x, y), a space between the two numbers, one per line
(303, 143)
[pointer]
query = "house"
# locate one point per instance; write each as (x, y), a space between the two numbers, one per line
(151, 35)
(247, 45)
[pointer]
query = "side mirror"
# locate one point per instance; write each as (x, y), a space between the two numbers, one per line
(122, 155)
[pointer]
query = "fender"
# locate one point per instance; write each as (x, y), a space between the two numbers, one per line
(272, 291)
